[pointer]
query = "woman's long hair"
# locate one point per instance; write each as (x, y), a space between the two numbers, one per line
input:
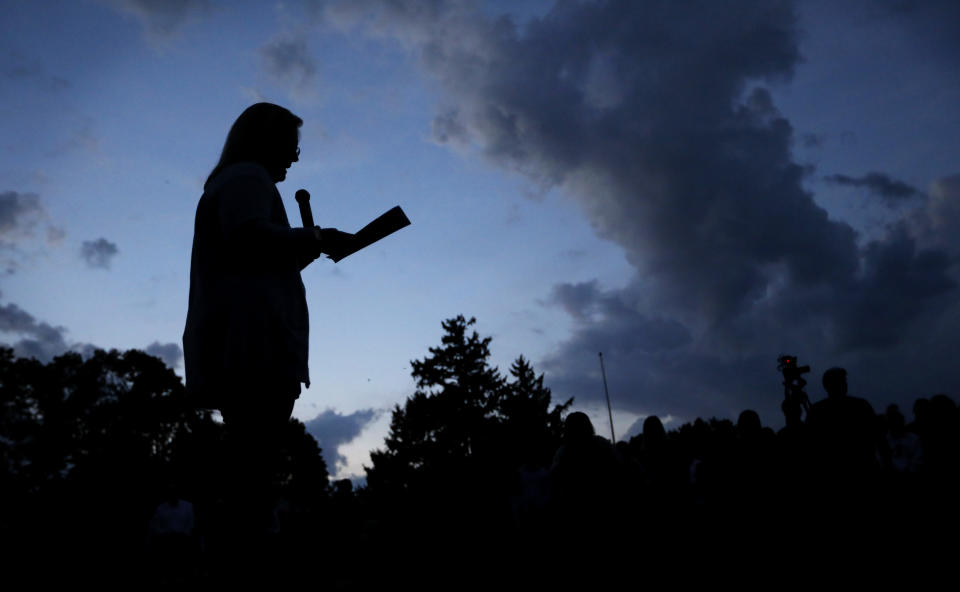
(260, 131)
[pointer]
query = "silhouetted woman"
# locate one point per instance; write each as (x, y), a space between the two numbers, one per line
(245, 342)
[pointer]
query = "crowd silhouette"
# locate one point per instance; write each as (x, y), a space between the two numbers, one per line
(121, 479)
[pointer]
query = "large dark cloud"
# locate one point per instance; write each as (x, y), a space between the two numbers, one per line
(892, 191)
(332, 429)
(899, 283)
(650, 113)
(98, 253)
(657, 117)
(614, 320)
(653, 363)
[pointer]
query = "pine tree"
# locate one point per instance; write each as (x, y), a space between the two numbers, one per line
(531, 429)
(465, 421)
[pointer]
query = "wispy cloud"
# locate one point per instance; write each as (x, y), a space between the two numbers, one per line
(288, 61)
(55, 235)
(162, 20)
(892, 191)
(15, 67)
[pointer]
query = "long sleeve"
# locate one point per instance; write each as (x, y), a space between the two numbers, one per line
(255, 228)
(247, 317)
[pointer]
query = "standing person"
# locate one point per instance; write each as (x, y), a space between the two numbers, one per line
(844, 427)
(843, 433)
(245, 341)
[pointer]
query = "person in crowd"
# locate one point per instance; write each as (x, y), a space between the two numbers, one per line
(172, 544)
(584, 473)
(843, 428)
(904, 450)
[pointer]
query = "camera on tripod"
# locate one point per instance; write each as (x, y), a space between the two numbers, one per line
(793, 382)
(788, 365)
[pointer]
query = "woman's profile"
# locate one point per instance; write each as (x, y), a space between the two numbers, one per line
(246, 337)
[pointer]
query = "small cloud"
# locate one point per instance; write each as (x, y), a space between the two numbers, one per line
(162, 20)
(288, 61)
(25, 230)
(447, 128)
(55, 235)
(83, 138)
(170, 353)
(812, 140)
(38, 339)
(579, 299)
(19, 213)
(80, 139)
(514, 216)
(573, 254)
(892, 191)
(18, 68)
(849, 138)
(635, 429)
(936, 224)
(332, 430)
(255, 95)
(98, 253)
(14, 319)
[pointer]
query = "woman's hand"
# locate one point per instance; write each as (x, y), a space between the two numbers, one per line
(335, 243)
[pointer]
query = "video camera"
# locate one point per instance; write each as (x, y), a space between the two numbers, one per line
(788, 365)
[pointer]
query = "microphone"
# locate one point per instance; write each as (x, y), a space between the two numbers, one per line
(306, 216)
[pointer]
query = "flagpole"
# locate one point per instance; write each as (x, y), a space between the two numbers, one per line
(613, 438)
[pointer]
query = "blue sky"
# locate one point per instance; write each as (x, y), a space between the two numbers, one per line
(692, 191)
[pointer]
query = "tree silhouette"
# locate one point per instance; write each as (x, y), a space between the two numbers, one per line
(89, 446)
(530, 428)
(71, 418)
(465, 420)
(303, 474)
(441, 486)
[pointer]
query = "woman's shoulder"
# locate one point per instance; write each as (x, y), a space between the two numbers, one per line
(244, 172)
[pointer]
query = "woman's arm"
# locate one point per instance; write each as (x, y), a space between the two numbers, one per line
(248, 226)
